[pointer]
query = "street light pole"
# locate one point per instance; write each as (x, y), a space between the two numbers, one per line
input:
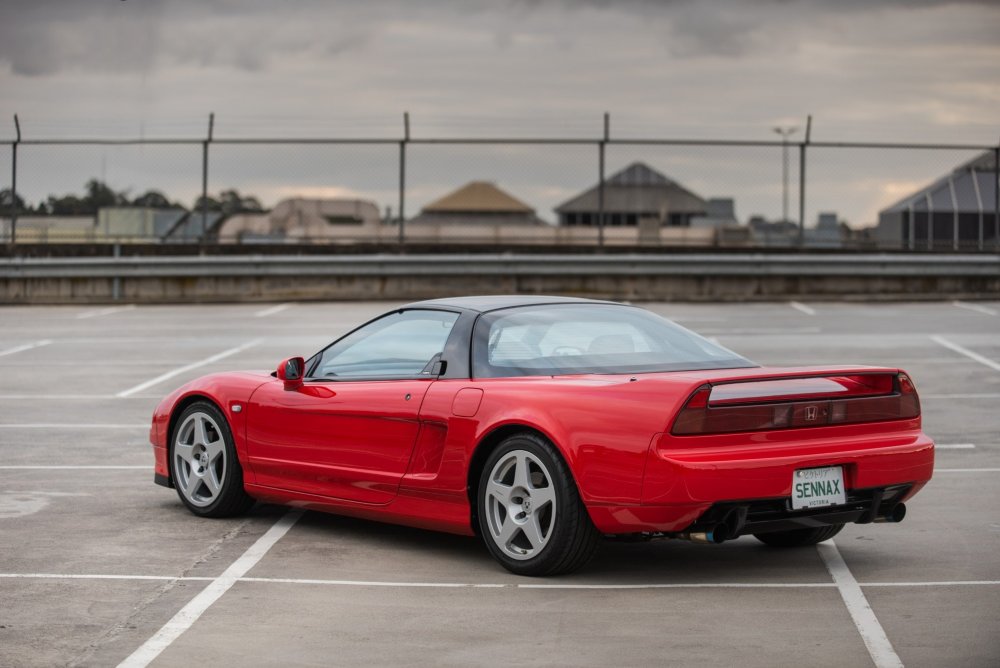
(785, 134)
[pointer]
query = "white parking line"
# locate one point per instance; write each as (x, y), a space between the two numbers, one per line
(955, 446)
(190, 613)
(76, 425)
(872, 633)
(53, 397)
(940, 340)
(184, 369)
(798, 306)
(476, 585)
(104, 311)
(975, 307)
(274, 309)
(985, 395)
(94, 576)
(70, 468)
(26, 346)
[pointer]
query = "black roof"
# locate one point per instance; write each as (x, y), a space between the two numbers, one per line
(486, 303)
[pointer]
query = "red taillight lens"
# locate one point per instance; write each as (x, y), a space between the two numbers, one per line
(798, 402)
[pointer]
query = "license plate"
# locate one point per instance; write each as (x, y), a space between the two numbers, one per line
(815, 488)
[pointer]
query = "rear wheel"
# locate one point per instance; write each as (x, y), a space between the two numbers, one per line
(531, 516)
(799, 537)
(206, 472)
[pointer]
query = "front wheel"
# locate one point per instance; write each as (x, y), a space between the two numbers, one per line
(206, 472)
(799, 537)
(530, 512)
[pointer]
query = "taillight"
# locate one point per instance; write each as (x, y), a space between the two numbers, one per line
(796, 403)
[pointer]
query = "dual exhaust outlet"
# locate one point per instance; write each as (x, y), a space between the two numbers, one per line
(733, 523)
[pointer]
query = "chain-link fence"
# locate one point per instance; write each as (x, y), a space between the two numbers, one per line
(543, 192)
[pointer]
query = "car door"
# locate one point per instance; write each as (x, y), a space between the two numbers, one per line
(348, 431)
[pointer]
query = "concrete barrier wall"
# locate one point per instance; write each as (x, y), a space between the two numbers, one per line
(693, 277)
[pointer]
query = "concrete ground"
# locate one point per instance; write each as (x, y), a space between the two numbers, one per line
(95, 560)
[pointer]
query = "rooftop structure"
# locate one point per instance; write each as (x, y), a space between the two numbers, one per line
(635, 196)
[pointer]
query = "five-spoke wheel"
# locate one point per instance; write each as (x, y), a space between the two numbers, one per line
(530, 513)
(204, 466)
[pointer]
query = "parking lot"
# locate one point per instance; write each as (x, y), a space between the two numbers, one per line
(96, 561)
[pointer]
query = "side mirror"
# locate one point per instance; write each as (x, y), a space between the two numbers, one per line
(290, 371)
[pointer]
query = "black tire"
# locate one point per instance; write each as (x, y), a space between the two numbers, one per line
(204, 467)
(799, 537)
(570, 537)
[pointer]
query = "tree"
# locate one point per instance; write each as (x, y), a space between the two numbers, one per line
(230, 202)
(154, 199)
(100, 195)
(7, 198)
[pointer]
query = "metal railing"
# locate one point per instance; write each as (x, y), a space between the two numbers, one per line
(400, 171)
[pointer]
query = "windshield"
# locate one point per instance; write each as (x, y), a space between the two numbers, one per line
(556, 339)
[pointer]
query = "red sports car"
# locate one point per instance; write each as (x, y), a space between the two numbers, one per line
(545, 423)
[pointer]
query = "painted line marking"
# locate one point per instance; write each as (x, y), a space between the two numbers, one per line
(872, 633)
(986, 395)
(690, 585)
(471, 585)
(798, 306)
(53, 397)
(26, 346)
(104, 311)
(955, 446)
(940, 340)
(54, 425)
(70, 468)
(190, 613)
(982, 470)
(97, 576)
(975, 307)
(184, 369)
(944, 583)
(375, 583)
(274, 309)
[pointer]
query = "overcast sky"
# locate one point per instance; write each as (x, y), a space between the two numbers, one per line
(919, 71)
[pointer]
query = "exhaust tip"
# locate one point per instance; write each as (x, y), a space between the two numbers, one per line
(894, 515)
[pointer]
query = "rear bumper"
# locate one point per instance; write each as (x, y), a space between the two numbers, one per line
(688, 481)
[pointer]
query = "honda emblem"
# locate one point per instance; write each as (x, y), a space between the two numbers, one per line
(811, 412)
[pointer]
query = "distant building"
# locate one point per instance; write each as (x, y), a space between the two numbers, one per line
(956, 210)
(826, 234)
(719, 212)
(477, 203)
(303, 220)
(137, 224)
(637, 196)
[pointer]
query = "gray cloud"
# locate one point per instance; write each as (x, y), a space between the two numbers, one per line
(45, 37)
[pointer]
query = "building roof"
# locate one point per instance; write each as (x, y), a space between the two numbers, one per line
(974, 184)
(478, 197)
(636, 189)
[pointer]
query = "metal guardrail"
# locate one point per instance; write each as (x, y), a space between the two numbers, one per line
(687, 264)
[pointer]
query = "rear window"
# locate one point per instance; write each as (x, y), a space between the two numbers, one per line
(561, 339)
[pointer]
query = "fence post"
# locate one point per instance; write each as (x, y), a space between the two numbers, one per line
(204, 178)
(802, 181)
(601, 145)
(402, 177)
(13, 182)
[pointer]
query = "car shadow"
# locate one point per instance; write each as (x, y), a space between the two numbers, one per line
(369, 547)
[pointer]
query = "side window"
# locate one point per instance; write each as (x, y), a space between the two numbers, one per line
(400, 344)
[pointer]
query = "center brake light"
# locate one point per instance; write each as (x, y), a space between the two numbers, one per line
(789, 403)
